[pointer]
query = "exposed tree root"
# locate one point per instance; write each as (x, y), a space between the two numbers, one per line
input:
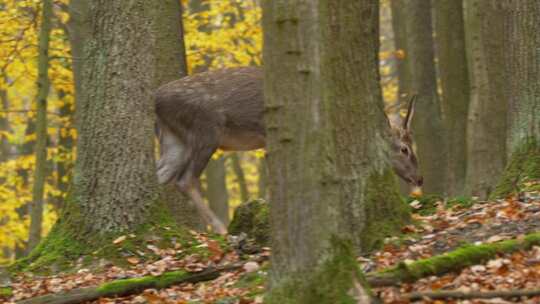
(131, 286)
(451, 261)
(446, 294)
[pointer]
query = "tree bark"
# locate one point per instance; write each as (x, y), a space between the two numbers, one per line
(216, 189)
(321, 64)
(240, 177)
(263, 178)
(428, 126)
(40, 171)
(114, 188)
(523, 72)
(400, 42)
(522, 58)
(486, 129)
(454, 80)
(5, 146)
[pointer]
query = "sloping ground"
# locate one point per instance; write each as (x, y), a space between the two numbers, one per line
(482, 223)
(443, 227)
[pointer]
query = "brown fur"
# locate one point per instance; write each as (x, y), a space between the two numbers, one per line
(224, 109)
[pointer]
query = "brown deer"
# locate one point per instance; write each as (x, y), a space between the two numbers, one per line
(223, 109)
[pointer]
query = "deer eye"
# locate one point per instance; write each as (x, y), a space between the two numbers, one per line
(404, 150)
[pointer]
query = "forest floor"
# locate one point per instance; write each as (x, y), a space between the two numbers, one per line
(439, 226)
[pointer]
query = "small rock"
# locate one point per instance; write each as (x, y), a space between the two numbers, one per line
(251, 266)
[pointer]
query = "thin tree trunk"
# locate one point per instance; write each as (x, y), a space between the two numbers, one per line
(321, 64)
(216, 182)
(5, 146)
(428, 126)
(40, 172)
(172, 64)
(263, 178)
(65, 147)
(400, 42)
(216, 189)
(240, 177)
(486, 129)
(454, 79)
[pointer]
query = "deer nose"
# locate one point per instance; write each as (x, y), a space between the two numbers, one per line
(420, 181)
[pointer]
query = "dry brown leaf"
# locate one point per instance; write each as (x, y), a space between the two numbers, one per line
(119, 240)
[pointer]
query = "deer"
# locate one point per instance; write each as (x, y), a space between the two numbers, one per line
(223, 109)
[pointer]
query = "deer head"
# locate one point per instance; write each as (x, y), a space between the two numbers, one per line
(402, 153)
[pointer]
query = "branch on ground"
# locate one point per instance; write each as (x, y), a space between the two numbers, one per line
(452, 261)
(126, 287)
(454, 294)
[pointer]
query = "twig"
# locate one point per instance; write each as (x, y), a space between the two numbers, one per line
(434, 295)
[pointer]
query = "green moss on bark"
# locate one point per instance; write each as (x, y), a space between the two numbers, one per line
(386, 211)
(67, 246)
(328, 283)
(129, 285)
(524, 166)
(252, 218)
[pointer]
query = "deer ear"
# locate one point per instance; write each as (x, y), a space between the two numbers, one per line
(410, 113)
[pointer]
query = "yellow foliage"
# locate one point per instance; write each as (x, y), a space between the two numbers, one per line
(19, 27)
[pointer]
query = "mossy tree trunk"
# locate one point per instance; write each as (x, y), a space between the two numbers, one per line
(114, 188)
(486, 129)
(171, 64)
(427, 126)
(40, 171)
(330, 168)
(522, 45)
(454, 80)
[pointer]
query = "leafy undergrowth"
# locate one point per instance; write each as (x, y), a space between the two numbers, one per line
(455, 225)
(440, 226)
(245, 285)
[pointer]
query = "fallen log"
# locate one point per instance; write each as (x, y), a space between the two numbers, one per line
(451, 261)
(126, 287)
(462, 295)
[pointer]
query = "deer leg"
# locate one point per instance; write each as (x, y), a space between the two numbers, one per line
(209, 217)
(189, 183)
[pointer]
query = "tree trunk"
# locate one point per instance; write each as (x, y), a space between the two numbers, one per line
(114, 188)
(65, 146)
(427, 127)
(400, 42)
(486, 154)
(522, 57)
(5, 146)
(40, 171)
(171, 65)
(263, 178)
(328, 169)
(216, 189)
(240, 177)
(454, 79)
